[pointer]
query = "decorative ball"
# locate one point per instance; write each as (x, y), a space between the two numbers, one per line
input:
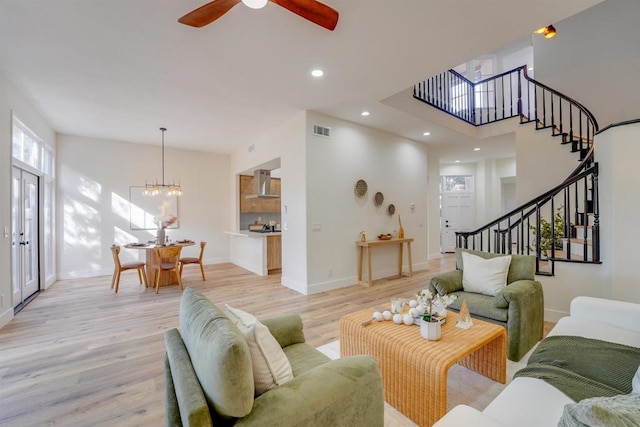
(414, 312)
(387, 315)
(397, 318)
(413, 303)
(408, 320)
(377, 315)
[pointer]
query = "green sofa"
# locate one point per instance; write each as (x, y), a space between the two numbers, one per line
(209, 377)
(519, 307)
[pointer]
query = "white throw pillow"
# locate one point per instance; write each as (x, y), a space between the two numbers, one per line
(635, 383)
(484, 276)
(270, 365)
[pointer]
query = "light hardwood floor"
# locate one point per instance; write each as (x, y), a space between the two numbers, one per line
(80, 355)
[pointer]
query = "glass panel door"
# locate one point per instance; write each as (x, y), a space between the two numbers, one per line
(16, 221)
(26, 271)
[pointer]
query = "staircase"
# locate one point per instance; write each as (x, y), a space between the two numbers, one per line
(566, 215)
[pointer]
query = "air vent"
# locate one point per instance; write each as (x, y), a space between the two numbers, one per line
(322, 131)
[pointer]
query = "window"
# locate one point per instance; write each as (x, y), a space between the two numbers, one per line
(27, 147)
(453, 183)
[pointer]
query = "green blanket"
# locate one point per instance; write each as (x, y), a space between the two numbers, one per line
(582, 367)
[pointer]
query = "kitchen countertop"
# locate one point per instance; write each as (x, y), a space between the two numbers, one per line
(247, 233)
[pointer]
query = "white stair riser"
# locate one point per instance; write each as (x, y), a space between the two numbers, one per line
(580, 233)
(577, 249)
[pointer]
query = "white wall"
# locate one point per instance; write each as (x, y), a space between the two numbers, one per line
(618, 151)
(11, 99)
(594, 59)
(543, 162)
(93, 182)
(392, 165)
(286, 142)
(433, 207)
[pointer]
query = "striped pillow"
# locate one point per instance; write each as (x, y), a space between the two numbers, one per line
(270, 365)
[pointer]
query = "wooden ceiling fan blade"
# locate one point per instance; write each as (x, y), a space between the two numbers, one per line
(313, 11)
(208, 13)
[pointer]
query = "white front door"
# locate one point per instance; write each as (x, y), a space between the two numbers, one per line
(24, 227)
(456, 215)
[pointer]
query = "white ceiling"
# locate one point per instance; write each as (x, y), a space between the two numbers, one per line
(120, 69)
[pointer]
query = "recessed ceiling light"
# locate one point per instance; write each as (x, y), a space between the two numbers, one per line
(317, 73)
(457, 161)
(427, 133)
(365, 113)
(476, 149)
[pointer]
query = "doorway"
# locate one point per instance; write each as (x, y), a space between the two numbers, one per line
(456, 210)
(25, 213)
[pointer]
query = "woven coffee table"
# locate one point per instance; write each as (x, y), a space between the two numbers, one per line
(414, 370)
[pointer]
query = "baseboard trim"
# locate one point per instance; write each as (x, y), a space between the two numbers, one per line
(333, 284)
(554, 315)
(256, 269)
(294, 285)
(6, 317)
(82, 274)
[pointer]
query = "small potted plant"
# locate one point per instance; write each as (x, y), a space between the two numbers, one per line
(434, 311)
(546, 242)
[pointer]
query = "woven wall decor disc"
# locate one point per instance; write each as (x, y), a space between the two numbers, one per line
(391, 209)
(361, 188)
(378, 199)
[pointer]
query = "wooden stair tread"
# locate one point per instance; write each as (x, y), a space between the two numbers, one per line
(561, 255)
(577, 241)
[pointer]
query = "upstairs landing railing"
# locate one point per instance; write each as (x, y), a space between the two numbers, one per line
(507, 95)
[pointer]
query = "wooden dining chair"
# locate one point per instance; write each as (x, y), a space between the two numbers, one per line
(167, 260)
(194, 260)
(120, 267)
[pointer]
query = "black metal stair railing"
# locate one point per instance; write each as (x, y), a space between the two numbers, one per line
(558, 214)
(547, 226)
(507, 95)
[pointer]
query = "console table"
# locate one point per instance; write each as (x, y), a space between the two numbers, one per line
(369, 244)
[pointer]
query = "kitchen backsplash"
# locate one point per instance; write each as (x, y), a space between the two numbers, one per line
(247, 218)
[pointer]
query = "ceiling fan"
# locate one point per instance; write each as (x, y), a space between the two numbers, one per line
(312, 10)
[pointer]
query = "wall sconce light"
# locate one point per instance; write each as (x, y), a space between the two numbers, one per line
(549, 31)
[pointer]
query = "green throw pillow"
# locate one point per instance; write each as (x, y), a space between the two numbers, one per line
(616, 411)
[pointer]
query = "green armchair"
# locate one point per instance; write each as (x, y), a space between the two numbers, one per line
(519, 307)
(209, 377)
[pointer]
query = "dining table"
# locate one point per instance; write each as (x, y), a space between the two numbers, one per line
(151, 259)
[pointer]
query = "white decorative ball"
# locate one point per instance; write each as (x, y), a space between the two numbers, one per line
(397, 318)
(414, 312)
(413, 303)
(377, 315)
(421, 309)
(408, 320)
(387, 315)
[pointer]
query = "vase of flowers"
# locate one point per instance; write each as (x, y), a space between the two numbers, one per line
(162, 224)
(430, 324)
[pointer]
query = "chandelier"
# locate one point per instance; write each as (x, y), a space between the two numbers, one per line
(156, 188)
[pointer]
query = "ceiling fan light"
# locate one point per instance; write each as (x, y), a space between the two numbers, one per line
(255, 4)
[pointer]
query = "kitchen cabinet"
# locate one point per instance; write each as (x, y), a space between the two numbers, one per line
(257, 205)
(274, 253)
